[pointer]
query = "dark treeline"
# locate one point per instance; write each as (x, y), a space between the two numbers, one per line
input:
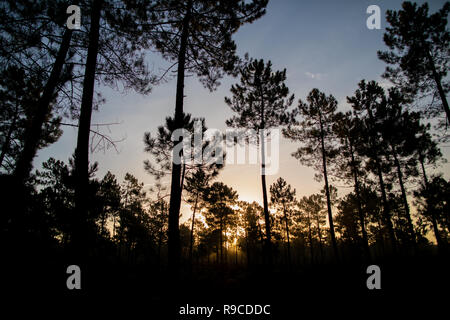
(383, 151)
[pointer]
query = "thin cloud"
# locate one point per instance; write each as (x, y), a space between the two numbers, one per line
(315, 76)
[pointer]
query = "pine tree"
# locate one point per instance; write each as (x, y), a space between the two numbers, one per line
(316, 136)
(196, 36)
(196, 185)
(261, 101)
(113, 54)
(418, 47)
(35, 43)
(283, 198)
(349, 163)
(219, 199)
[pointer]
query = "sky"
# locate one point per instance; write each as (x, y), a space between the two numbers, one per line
(323, 44)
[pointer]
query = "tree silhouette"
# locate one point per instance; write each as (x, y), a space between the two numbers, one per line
(312, 208)
(219, 198)
(316, 135)
(283, 198)
(251, 213)
(133, 231)
(368, 99)
(113, 53)
(19, 92)
(197, 184)
(397, 131)
(35, 42)
(161, 146)
(349, 163)
(196, 36)
(418, 45)
(433, 205)
(109, 194)
(427, 153)
(261, 101)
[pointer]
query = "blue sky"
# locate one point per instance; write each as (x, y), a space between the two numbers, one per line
(322, 44)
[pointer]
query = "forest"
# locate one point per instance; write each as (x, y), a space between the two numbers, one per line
(130, 240)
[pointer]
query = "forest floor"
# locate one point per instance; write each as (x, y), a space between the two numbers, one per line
(407, 285)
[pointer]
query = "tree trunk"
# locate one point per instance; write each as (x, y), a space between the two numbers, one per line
(221, 241)
(327, 190)
(437, 235)
(183, 173)
(358, 200)
(386, 209)
(287, 236)
(319, 236)
(247, 247)
(84, 126)
(175, 188)
(310, 240)
(33, 133)
(236, 253)
(404, 198)
(437, 79)
(263, 181)
(192, 228)
(266, 205)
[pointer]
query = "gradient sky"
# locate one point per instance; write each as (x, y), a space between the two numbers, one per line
(322, 44)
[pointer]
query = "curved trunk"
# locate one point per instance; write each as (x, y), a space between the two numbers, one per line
(33, 133)
(437, 79)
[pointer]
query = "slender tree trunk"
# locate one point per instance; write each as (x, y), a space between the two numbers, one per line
(327, 191)
(175, 188)
(247, 245)
(221, 242)
(33, 133)
(437, 235)
(263, 181)
(425, 178)
(236, 253)
(437, 79)
(386, 209)
(381, 236)
(319, 236)
(310, 240)
(183, 174)
(191, 246)
(160, 245)
(265, 201)
(287, 236)
(405, 200)
(358, 200)
(84, 125)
